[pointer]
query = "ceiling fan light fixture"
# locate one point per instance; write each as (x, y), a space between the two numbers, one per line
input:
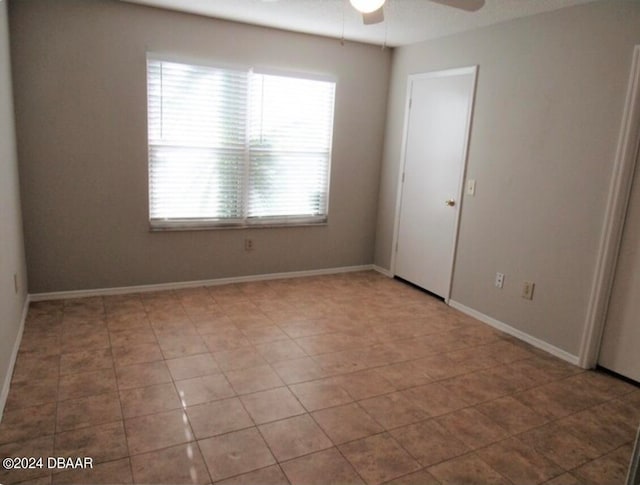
(366, 6)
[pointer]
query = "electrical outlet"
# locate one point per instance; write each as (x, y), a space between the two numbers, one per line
(248, 244)
(471, 187)
(527, 290)
(16, 287)
(499, 282)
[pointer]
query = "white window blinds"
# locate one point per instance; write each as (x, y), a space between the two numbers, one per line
(230, 147)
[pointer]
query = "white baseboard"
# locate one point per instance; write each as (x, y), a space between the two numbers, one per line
(14, 355)
(61, 295)
(382, 270)
(525, 337)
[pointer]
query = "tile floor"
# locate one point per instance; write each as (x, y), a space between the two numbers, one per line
(343, 379)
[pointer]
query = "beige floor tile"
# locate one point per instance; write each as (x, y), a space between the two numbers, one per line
(179, 325)
(37, 448)
(511, 414)
(440, 366)
(322, 468)
(218, 417)
(132, 336)
(564, 479)
(149, 400)
(379, 459)
(429, 442)
(421, 477)
(39, 344)
(472, 427)
(346, 423)
(469, 470)
(595, 432)
(137, 354)
(105, 442)
(239, 359)
(211, 324)
(294, 437)
(477, 387)
(30, 366)
(280, 350)
(178, 465)
(344, 362)
(393, 410)
(272, 405)
(192, 366)
(364, 384)
(298, 328)
(46, 480)
(298, 370)
(119, 323)
(228, 339)
(254, 379)
(599, 385)
(88, 411)
(325, 343)
(26, 423)
(518, 462)
(271, 475)
(404, 375)
(31, 393)
(235, 453)
(320, 394)
(157, 431)
(561, 447)
(85, 361)
(110, 472)
(608, 469)
(435, 399)
(84, 337)
(203, 389)
(553, 400)
(142, 375)
(174, 346)
(262, 334)
(507, 352)
(74, 386)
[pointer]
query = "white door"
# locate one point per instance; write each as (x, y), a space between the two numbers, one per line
(435, 151)
(620, 349)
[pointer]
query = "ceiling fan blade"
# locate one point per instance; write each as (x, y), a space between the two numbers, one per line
(374, 17)
(468, 5)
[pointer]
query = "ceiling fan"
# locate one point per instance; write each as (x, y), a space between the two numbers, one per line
(373, 10)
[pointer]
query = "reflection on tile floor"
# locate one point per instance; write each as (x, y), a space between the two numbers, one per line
(341, 379)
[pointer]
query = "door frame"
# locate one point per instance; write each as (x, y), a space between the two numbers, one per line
(403, 160)
(627, 153)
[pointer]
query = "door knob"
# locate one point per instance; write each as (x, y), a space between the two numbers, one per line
(450, 202)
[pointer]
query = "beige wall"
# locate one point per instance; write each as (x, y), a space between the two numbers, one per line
(79, 71)
(548, 109)
(11, 243)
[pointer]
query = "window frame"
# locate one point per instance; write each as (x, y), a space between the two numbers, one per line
(201, 224)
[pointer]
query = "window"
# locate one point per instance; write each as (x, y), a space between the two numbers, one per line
(236, 147)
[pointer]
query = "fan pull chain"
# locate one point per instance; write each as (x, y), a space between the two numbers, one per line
(343, 9)
(387, 19)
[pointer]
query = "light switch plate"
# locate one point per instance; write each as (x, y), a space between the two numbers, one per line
(471, 187)
(527, 290)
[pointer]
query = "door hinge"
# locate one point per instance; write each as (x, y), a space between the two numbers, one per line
(402, 177)
(410, 102)
(396, 246)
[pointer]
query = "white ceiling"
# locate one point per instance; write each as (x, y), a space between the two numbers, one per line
(406, 21)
